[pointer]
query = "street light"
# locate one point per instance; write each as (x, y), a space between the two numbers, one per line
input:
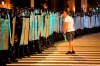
(2, 2)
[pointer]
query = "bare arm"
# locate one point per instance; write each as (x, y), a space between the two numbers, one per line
(65, 27)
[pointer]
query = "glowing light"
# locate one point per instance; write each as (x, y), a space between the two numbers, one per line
(45, 6)
(2, 2)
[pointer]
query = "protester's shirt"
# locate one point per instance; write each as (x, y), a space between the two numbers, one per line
(70, 22)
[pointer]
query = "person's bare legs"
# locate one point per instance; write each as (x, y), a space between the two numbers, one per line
(71, 46)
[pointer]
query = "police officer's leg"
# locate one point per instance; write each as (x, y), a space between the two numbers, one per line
(38, 46)
(21, 50)
(33, 47)
(26, 50)
(30, 46)
(11, 54)
(2, 60)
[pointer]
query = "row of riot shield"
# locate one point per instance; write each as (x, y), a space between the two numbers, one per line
(24, 35)
(86, 24)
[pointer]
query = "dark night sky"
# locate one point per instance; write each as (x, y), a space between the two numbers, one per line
(27, 2)
(23, 3)
(59, 3)
(91, 1)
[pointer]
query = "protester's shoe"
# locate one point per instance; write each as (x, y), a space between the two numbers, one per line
(73, 52)
(69, 52)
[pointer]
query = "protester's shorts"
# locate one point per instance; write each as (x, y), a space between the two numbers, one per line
(70, 36)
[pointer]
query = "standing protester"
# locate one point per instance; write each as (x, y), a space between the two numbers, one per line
(69, 31)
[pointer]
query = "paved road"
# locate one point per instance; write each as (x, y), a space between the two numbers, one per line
(87, 54)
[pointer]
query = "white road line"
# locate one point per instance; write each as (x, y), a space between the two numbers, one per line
(66, 51)
(57, 64)
(58, 59)
(44, 61)
(66, 56)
